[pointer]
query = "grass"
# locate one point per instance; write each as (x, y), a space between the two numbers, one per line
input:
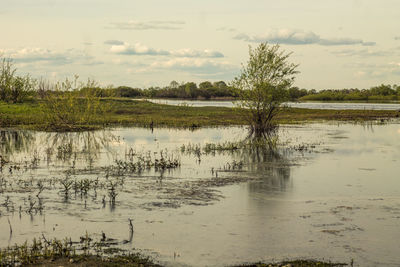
(125, 112)
(53, 252)
(296, 263)
(87, 252)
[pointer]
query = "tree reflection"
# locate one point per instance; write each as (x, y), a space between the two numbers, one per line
(13, 141)
(269, 162)
(85, 146)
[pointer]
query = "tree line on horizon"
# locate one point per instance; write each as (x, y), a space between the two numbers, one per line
(221, 90)
(16, 89)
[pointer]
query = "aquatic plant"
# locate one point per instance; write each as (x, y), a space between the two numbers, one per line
(67, 184)
(112, 192)
(140, 162)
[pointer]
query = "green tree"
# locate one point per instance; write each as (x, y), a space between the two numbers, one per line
(174, 85)
(13, 88)
(220, 84)
(21, 88)
(190, 89)
(205, 85)
(7, 76)
(263, 85)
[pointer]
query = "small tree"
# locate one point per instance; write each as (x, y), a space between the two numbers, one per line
(21, 88)
(7, 76)
(70, 108)
(13, 88)
(263, 86)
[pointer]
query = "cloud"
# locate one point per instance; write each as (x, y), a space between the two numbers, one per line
(299, 37)
(30, 55)
(375, 71)
(397, 38)
(282, 36)
(196, 53)
(361, 53)
(113, 42)
(137, 49)
(345, 41)
(150, 25)
(196, 66)
(140, 49)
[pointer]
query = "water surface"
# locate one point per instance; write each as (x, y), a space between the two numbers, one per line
(329, 191)
(308, 105)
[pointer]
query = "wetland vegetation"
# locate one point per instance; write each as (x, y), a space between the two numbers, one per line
(153, 185)
(122, 112)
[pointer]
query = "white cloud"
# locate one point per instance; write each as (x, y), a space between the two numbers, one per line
(282, 36)
(136, 49)
(196, 53)
(361, 53)
(140, 49)
(195, 66)
(149, 25)
(299, 37)
(29, 55)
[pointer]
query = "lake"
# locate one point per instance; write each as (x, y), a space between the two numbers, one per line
(308, 105)
(326, 191)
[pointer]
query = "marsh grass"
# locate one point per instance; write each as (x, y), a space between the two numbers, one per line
(87, 251)
(295, 263)
(125, 112)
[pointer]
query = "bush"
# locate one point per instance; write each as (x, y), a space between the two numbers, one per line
(13, 88)
(70, 108)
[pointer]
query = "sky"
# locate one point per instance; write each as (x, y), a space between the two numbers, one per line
(337, 43)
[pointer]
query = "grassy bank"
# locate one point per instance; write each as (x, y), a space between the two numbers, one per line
(125, 112)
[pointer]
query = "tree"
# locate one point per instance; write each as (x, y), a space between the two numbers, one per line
(263, 86)
(190, 89)
(174, 85)
(220, 84)
(13, 88)
(205, 85)
(7, 76)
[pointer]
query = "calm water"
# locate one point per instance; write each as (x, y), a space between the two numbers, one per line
(329, 191)
(309, 105)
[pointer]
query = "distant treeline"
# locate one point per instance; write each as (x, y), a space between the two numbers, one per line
(15, 88)
(208, 90)
(189, 90)
(377, 93)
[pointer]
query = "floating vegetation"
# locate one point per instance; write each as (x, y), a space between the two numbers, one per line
(296, 263)
(208, 148)
(137, 163)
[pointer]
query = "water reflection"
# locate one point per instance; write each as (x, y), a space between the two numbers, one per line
(12, 141)
(82, 146)
(269, 162)
(319, 206)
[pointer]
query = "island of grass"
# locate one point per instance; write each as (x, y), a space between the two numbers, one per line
(35, 114)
